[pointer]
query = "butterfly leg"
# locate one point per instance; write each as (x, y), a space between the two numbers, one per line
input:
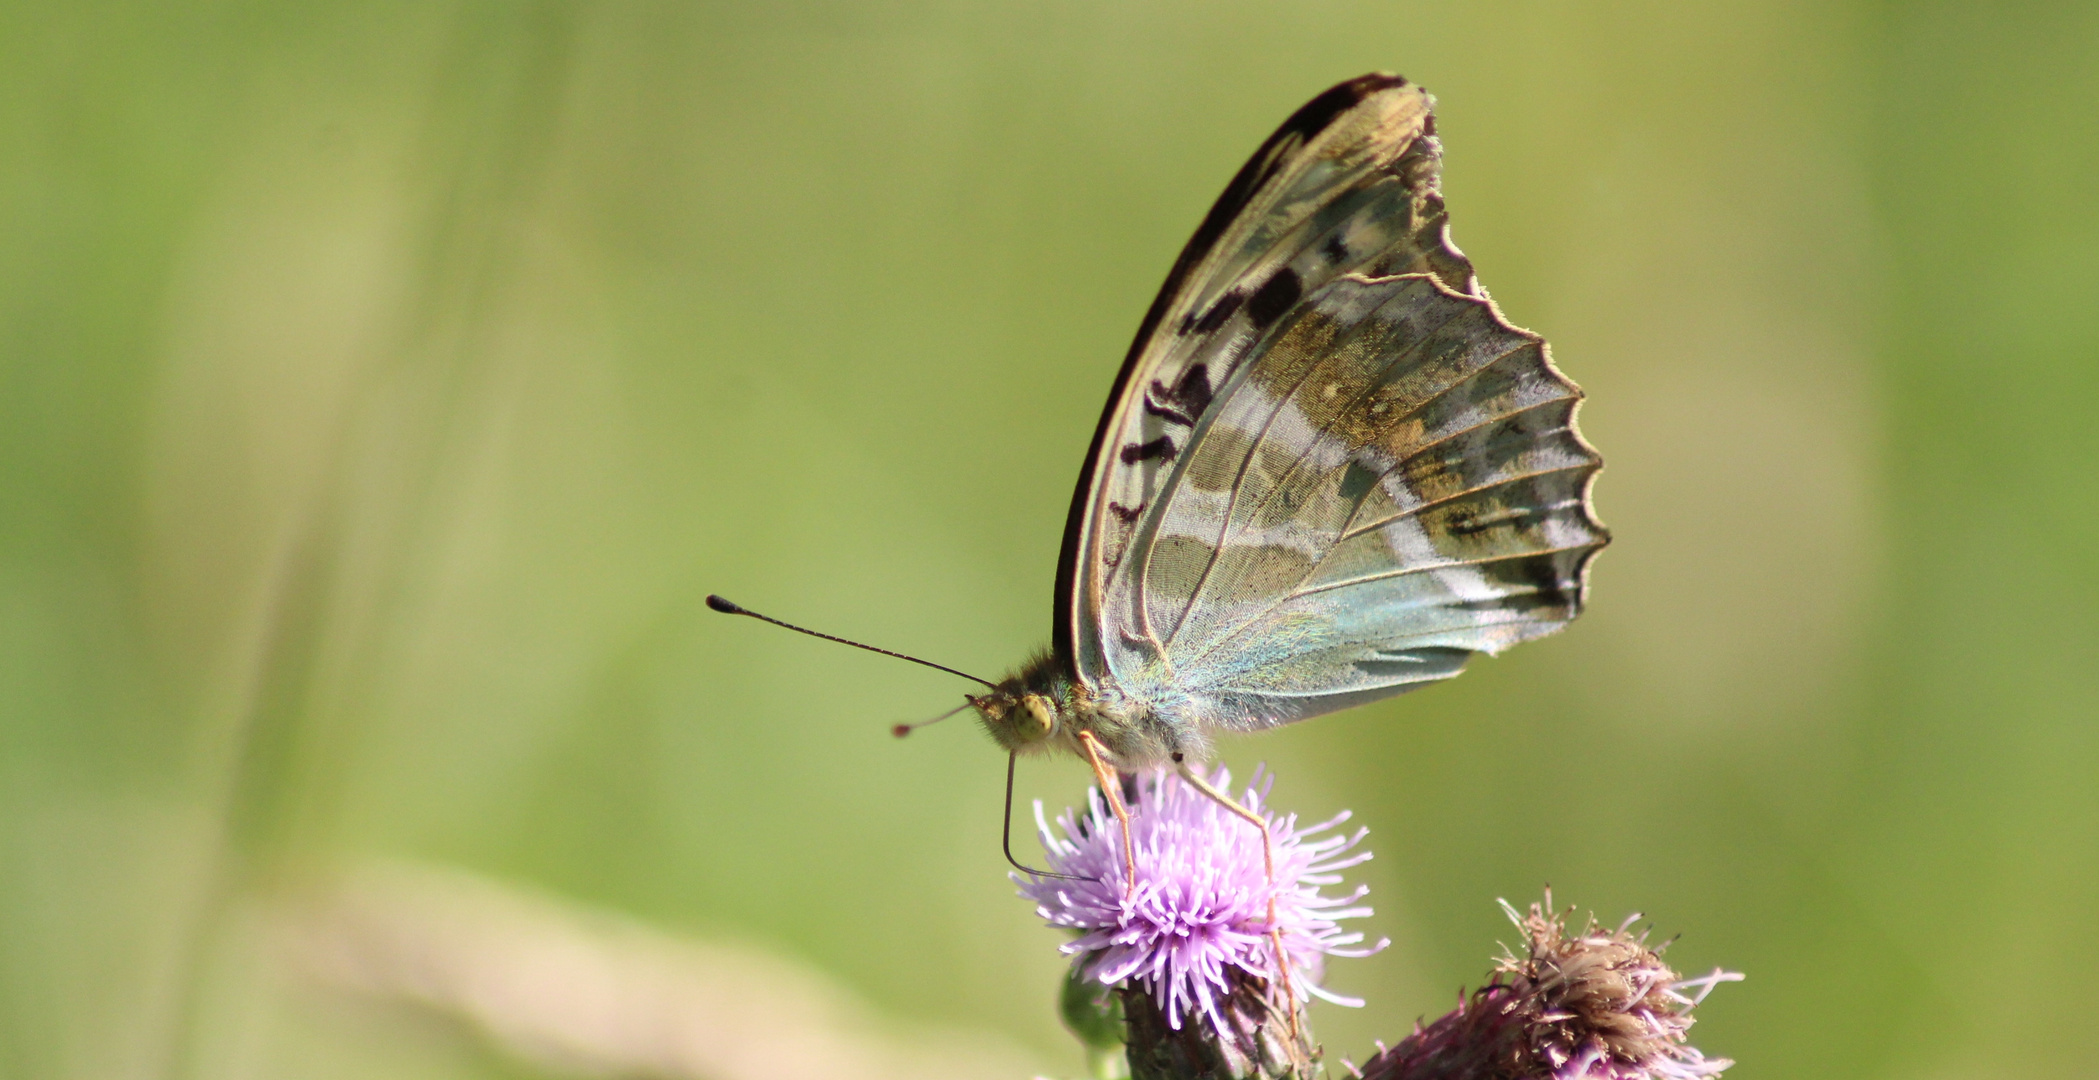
(1104, 773)
(1275, 926)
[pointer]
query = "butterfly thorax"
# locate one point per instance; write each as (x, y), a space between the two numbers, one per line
(1042, 707)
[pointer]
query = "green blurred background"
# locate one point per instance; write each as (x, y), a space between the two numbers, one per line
(383, 386)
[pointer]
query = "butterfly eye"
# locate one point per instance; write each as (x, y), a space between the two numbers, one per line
(1033, 719)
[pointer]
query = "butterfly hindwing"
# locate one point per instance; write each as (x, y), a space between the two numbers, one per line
(1396, 484)
(1330, 471)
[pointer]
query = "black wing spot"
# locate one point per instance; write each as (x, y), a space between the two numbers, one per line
(1132, 453)
(1215, 317)
(1193, 390)
(1336, 249)
(1279, 295)
(1185, 400)
(1545, 576)
(1112, 554)
(1168, 413)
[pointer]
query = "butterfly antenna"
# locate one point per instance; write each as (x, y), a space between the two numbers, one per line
(727, 608)
(902, 730)
(1007, 837)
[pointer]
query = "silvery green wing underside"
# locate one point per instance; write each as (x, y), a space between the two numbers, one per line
(1329, 471)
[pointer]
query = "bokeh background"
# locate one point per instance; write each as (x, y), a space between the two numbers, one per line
(383, 385)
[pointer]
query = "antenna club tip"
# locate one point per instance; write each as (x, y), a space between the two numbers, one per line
(723, 606)
(900, 730)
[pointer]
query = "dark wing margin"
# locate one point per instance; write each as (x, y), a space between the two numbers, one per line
(1280, 161)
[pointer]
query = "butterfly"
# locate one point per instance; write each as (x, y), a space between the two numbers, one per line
(1329, 470)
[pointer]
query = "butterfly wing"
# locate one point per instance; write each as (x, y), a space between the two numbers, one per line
(1329, 470)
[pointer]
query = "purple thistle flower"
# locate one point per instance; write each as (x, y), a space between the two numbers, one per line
(1594, 1005)
(1197, 921)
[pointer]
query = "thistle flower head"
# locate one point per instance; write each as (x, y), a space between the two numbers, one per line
(1595, 1005)
(1601, 1005)
(1197, 919)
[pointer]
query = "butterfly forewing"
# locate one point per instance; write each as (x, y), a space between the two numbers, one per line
(1330, 471)
(1347, 183)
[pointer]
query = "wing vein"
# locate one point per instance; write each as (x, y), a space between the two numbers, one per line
(1438, 395)
(1451, 564)
(1225, 529)
(1373, 388)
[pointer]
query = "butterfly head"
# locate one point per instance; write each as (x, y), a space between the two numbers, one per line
(1018, 718)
